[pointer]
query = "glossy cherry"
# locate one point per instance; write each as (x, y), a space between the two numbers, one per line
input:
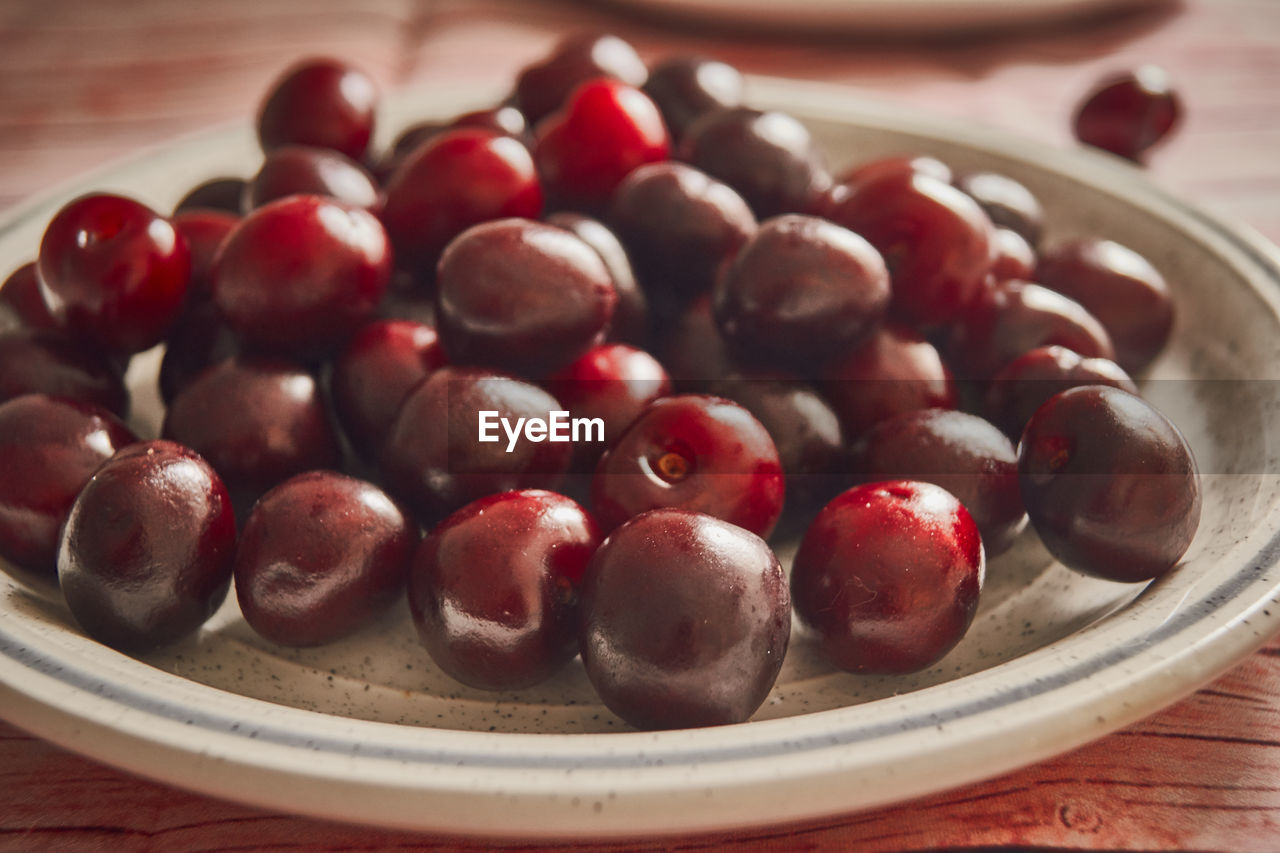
(374, 374)
(433, 459)
(113, 270)
(694, 452)
(494, 588)
(541, 88)
(303, 170)
(1118, 286)
(935, 240)
(630, 323)
(221, 194)
(21, 294)
(204, 232)
(901, 164)
(301, 273)
(49, 447)
(145, 556)
(888, 576)
(524, 296)
(1024, 384)
(801, 290)
(46, 362)
(322, 103)
(458, 179)
(1111, 485)
(685, 621)
(1007, 202)
(605, 130)
(322, 555)
(685, 88)
(768, 157)
(199, 340)
(1129, 113)
(693, 351)
(962, 453)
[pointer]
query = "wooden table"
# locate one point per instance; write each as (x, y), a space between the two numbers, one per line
(82, 82)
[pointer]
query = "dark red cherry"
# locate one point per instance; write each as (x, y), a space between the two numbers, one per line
(1110, 484)
(902, 164)
(960, 452)
(543, 87)
(257, 421)
(605, 130)
(322, 103)
(685, 621)
(21, 293)
(1015, 317)
(205, 231)
(49, 447)
(494, 588)
(685, 88)
(458, 179)
(1129, 113)
(694, 452)
(434, 457)
(145, 557)
(693, 350)
(36, 362)
(199, 340)
(302, 170)
(523, 296)
(115, 271)
(801, 290)
(630, 322)
(768, 157)
(322, 555)
(679, 226)
(374, 374)
(1007, 202)
(935, 240)
(1025, 383)
(1012, 258)
(888, 576)
(895, 371)
(1119, 287)
(504, 120)
(301, 273)
(220, 194)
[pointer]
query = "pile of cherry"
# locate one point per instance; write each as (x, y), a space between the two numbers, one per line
(620, 243)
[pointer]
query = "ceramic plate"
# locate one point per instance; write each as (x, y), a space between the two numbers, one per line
(368, 730)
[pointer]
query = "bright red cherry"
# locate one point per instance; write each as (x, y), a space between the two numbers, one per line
(323, 103)
(115, 271)
(1129, 113)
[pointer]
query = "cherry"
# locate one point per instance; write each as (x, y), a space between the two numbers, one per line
(1029, 380)
(204, 231)
(301, 170)
(1110, 484)
(220, 194)
(895, 371)
(693, 351)
(605, 130)
(612, 382)
(49, 447)
(685, 621)
(494, 588)
(113, 270)
(523, 296)
(374, 374)
(302, 272)
(21, 293)
(438, 469)
(541, 88)
(693, 452)
(45, 362)
(257, 421)
(1014, 317)
(322, 103)
(1119, 287)
(457, 179)
(960, 452)
(685, 88)
(901, 164)
(1012, 257)
(145, 556)
(504, 120)
(322, 555)
(630, 322)
(768, 157)
(679, 227)
(199, 340)
(801, 290)
(888, 576)
(1129, 113)
(935, 240)
(1007, 202)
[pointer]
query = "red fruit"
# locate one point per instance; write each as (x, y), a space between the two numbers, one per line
(1025, 383)
(321, 103)
(21, 293)
(542, 87)
(1129, 113)
(302, 170)
(36, 362)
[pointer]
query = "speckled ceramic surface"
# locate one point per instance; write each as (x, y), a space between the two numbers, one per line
(367, 730)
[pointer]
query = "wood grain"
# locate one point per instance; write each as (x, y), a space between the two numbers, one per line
(85, 82)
